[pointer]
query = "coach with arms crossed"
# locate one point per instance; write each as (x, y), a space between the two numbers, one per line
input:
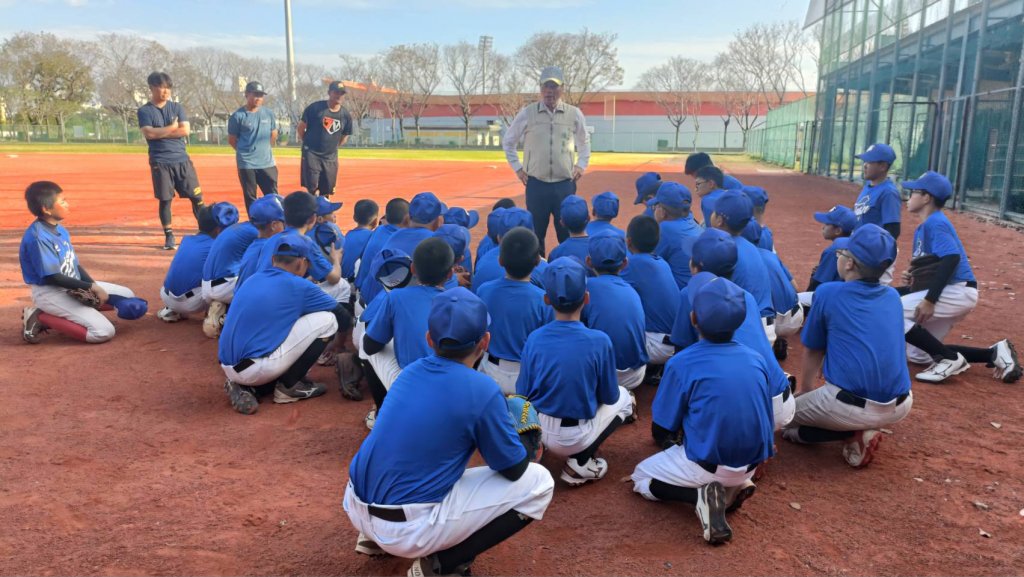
(325, 125)
(252, 130)
(548, 129)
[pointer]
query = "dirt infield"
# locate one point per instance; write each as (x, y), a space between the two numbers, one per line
(125, 458)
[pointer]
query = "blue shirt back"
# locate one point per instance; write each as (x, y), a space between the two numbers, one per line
(228, 248)
(517, 309)
(752, 275)
(186, 270)
(717, 394)
(568, 370)
(826, 270)
(783, 293)
(652, 279)
(164, 150)
(319, 265)
(403, 317)
(46, 250)
(767, 240)
(250, 263)
(355, 242)
(439, 413)
(254, 329)
(487, 269)
(616, 311)
(380, 235)
(253, 132)
(937, 236)
(731, 182)
(485, 246)
(859, 325)
(707, 204)
(595, 226)
(576, 246)
(878, 204)
(676, 245)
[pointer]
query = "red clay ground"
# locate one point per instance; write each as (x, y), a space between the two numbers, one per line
(125, 458)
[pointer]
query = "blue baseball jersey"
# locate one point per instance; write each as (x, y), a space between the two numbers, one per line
(616, 311)
(717, 394)
(439, 413)
(576, 246)
(253, 130)
(488, 268)
(878, 204)
(486, 245)
(164, 150)
(403, 317)
(783, 292)
(186, 270)
(707, 204)
(517, 309)
(767, 240)
(250, 263)
(568, 370)
(937, 236)
(46, 250)
(827, 270)
(676, 246)
(228, 248)
(319, 265)
(252, 329)
(859, 325)
(380, 235)
(597, 225)
(652, 279)
(372, 308)
(407, 239)
(752, 275)
(355, 242)
(340, 236)
(731, 182)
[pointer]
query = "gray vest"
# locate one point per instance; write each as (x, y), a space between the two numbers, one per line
(548, 142)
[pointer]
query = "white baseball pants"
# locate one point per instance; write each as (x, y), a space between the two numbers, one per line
(657, 351)
(673, 467)
(955, 302)
(54, 300)
(318, 325)
(223, 292)
(185, 304)
(820, 408)
(566, 441)
(505, 373)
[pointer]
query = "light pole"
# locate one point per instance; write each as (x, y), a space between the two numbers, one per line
(291, 67)
(486, 42)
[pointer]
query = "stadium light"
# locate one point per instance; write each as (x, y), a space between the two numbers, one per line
(486, 42)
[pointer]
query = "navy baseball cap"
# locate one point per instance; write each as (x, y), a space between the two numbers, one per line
(462, 217)
(878, 152)
(607, 250)
(752, 232)
(871, 245)
(458, 319)
(715, 251)
(731, 182)
(565, 281)
(394, 268)
(513, 217)
(574, 212)
(606, 205)
(933, 183)
(336, 86)
(424, 208)
(298, 245)
(647, 185)
(324, 206)
(718, 303)
(735, 207)
(456, 236)
(327, 234)
(757, 195)
(672, 195)
(840, 216)
(266, 209)
(255, 87)
(224, 213)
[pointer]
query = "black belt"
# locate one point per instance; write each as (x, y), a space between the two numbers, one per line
(243, 364)
(395, 515)
(570, 423)
(770, 321)
(189, 294)
(711, 468)
(667, 340)
(846, 397)
(972, 284)
(495, 360)
(218, 281)
(786, 394)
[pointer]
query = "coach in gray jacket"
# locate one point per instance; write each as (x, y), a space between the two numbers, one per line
(551, 132)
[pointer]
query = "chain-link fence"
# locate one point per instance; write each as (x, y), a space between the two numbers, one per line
(785, 138)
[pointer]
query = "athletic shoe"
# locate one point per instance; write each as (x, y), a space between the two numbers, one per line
(169, 243)
(349, 373)
(214, 320)
(300, 391)
(1004, 359)
(575, 474)
(427, 567)
(326, 358)
(792, 434)
(711, 512)
(370, 419)
(859, 451)
(632, 416)
(735, 496)
(168, 316)
(242, 398)
(367, 546)
(781, 348)
(943, 369)
(31, 329)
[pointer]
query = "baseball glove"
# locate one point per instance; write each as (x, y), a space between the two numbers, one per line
(922, 271)
(85, 296)
(524, 417)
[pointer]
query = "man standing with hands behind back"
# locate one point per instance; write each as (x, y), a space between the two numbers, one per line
(252, 130)
(325, 125)
(550, 131)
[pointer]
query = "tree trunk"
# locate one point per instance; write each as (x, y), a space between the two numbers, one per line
(725, 136)
(676, 145)
(124, 121)
(60, 125)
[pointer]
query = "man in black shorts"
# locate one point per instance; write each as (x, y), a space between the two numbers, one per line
(325, 125)
(165, 125)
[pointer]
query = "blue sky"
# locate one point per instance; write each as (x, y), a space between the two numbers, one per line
(650, 31)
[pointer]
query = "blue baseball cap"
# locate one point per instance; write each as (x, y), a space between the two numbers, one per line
(607, 250)
(715, 251)
(424, 208)
(647, 185)
(752, 232)
(718, 303)
(324, 206)
(878, 152)
(266, 209)
(393, 268)
(574, 212)
(224, 214)
(672, 195)
(731, 182)
(871, 245)
(565, 281)
(513, 217)
(840, 216)
(494, 222)
(735, 208)
(606, 205)
(757, 195)
(327, 234)
(456, 236)
(462, 217)
(297, 245)
(458, 319)
(933, 183)
(130, 308)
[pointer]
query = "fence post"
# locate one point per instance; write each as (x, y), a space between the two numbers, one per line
(965, 138)
(1011, 146)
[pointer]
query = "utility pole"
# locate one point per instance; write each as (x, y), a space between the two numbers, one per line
(486, 42)
(291, 68)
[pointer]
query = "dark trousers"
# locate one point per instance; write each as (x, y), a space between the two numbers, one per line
(250, 178)
(543, 200)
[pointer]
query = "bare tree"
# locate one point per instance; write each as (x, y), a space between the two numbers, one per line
(415, 70)
(363, 75)
(462, 67)
(676, 87)
(508, 84)
(741, 92)
(722, 84)
(589, 60)
(772, 55)
(123, 63)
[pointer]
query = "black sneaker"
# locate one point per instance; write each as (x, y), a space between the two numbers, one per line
(169, 243)
(781, 348)
(299, 391)
(242, 398)
(711, 512)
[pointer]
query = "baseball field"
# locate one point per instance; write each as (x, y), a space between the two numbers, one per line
(126, 459)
